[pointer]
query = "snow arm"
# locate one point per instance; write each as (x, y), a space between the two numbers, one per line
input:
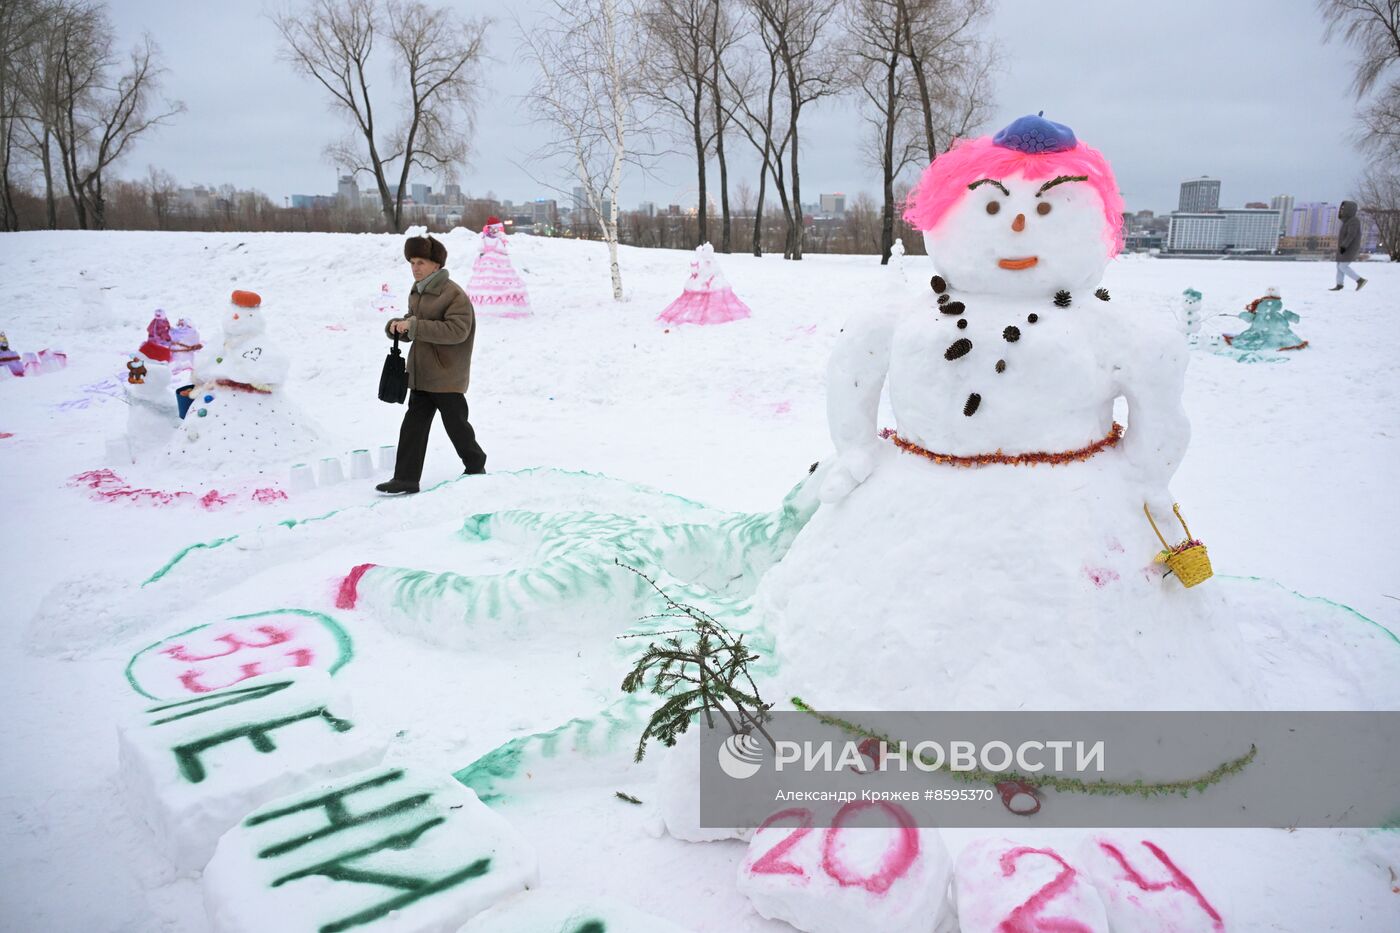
(1158, 432)
(854, 377)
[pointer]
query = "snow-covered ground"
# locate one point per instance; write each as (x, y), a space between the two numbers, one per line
(1290, 476)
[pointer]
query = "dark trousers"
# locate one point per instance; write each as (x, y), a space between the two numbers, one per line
(418, 422)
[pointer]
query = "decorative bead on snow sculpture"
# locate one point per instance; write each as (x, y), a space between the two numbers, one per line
(707, 297)
(495, 289)
(1268, 326)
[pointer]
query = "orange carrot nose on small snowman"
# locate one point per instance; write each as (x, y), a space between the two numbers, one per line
(1019, 223)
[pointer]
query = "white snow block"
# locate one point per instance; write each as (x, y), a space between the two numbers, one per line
(872, 870)
(192, 768)
(678, 792)
(388, 849)
(361, 465)
(1001, 885)
(548, 912)
(1146, 890)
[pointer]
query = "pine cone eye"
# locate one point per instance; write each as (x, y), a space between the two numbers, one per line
(1043, 208)
(993, 207)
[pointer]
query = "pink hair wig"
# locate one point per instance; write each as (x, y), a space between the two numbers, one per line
(944, 183)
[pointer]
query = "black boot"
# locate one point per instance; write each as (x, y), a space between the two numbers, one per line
(396, 486)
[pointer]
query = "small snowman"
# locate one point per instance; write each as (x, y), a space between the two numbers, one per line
(1190, 315)
(10, 361)
(897, 257)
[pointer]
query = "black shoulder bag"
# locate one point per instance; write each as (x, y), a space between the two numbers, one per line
(393, 381)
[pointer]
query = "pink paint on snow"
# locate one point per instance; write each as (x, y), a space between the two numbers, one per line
(211, 500)
(5, 434)
(349, 592)
(1178, 880)
(108, 486)
(1101, 576)
(336, 327)
(707, 297)
(494, 288)
(898, 858)
(1027, 918)
(773, 862)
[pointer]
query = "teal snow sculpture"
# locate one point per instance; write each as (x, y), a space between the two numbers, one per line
(1268, 326)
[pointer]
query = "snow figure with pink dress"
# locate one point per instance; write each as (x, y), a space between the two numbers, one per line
(707, 298)
(157, 345)
(495, 289)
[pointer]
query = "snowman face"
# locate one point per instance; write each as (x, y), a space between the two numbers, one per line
(242, 322)
(1011, 236)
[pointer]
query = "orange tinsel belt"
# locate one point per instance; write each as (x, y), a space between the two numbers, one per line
(1111, 439)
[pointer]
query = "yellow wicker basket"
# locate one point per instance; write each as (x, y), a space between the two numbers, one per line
(1189, 559)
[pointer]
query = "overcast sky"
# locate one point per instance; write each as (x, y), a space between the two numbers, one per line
(1242, 90)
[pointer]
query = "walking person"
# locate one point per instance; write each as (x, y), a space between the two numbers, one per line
(1348, 245)
(441, 325)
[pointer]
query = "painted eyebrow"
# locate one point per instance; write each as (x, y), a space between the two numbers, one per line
(1059, 180)
(989, 181)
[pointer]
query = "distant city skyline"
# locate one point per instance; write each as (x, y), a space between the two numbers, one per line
(1168, 93)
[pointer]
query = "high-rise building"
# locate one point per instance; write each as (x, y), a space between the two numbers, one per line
(452, 194)
(1199, 195)
(647, 208)
(1314, 218)
(420, 193)
(833, 205)
(544, 211)
(1283, 203)
(347, 193)
(1246, 230)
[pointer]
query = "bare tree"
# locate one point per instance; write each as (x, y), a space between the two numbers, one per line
(753, 78)
(950, 64)
(810, 70)
(678, 78)
(875, 30)
(1379, 195)
(723, 36)
(96, 117)
(20, 24)
(436, 57)
(161, 189)
(588, 91)
(1372, 27)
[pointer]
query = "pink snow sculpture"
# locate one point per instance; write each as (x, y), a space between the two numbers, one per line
(707, 298)
(494, 288)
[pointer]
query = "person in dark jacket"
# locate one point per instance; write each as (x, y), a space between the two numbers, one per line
(1348, 245)
(442, 328)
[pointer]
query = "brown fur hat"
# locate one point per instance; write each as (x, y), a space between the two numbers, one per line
(425, 247)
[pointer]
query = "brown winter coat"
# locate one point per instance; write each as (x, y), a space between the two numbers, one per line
(442, 327)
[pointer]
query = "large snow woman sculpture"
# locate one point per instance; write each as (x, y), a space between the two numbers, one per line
(495, 289)
(991, 549)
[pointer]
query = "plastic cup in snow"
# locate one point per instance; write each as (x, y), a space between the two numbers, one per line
(361, 466)
(331, 472)
(302, 479)
(388, 454)
(184, 398)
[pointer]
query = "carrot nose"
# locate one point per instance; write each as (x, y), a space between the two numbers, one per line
(1019, 223)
